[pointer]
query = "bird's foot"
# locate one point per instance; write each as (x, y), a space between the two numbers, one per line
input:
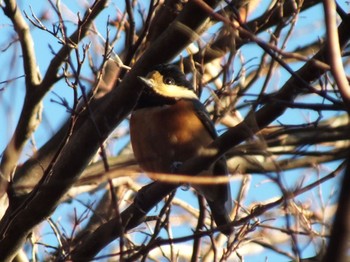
(175, 166)
(185, 187)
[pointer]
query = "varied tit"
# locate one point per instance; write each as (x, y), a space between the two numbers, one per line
(170, 125)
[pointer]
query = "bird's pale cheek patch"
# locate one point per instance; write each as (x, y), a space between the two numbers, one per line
(156, 77)
(170, 91)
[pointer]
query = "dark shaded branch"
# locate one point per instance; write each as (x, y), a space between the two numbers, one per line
(337, 250)
(111, 110)
(154, 193)
(149, 196)
(223, 43)
(338, 245)
(165, 14)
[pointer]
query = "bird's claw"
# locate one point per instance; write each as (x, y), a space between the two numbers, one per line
(175, 166)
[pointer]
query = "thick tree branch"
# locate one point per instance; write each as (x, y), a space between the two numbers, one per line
(338, 244)
(108, 114)
(334, 56)
(225, 41)
(338, 247)
(28, 119)
(32, 74)
(93, 127)
(32, 172)
(149, 196)
(154, 193)
(36, 89)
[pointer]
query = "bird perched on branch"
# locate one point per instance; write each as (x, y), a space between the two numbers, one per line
(169, 125)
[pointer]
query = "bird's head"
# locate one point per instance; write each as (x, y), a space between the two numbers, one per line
(165, 84)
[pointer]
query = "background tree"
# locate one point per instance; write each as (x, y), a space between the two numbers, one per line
(273, 77)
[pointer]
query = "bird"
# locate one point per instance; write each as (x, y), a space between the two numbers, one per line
(168, 126)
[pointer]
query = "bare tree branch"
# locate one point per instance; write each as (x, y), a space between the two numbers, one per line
(335, 58)
(30, 117)
(338, 244)
(268, 126)
(111, 111)
(37, 88)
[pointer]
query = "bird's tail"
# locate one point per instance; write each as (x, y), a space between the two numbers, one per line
(221, 215)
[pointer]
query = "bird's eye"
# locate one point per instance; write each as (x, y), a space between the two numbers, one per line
(169, 81)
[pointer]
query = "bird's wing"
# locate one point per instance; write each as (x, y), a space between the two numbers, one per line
(218, 196)
(203, 115)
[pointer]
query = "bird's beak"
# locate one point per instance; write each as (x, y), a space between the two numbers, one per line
(147, 81)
